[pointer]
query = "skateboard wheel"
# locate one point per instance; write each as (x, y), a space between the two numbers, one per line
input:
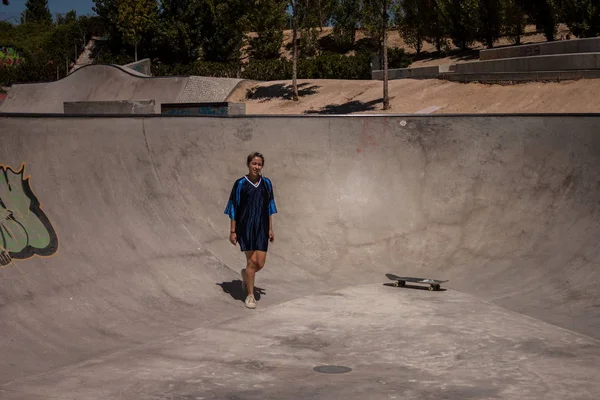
(396, 284)
(402, 283)
(430, 288)
(437, 287)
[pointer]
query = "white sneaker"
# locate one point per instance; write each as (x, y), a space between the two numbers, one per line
(250, 301)
(244, 287)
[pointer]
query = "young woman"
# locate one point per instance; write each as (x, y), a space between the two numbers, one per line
(250, 209)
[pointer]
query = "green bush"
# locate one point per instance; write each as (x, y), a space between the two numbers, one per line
(8, 75)
(268, 70)
(122, 58)
(199, 68)
(159, 69)
(336, 66)
(397, 58)
(44, 49)
(324, 66)
(35, 67)
(215, 69)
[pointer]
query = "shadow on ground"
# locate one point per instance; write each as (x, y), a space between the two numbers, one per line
(234, 289)
(347, 108)
(281, 91)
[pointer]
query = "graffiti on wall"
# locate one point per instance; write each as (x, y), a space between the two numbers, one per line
(9, 56)
(25, 230)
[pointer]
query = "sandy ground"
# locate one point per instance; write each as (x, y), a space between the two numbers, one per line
(411, 96)
(432, 95)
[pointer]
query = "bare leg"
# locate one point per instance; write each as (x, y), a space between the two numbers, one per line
(255, 261)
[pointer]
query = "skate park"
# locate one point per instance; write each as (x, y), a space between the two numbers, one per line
(137, 293)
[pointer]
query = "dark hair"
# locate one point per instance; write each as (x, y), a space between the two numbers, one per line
(255, 154)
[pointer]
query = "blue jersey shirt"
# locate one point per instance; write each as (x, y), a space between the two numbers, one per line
(251, 205)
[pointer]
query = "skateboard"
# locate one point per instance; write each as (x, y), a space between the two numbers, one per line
(434, 284)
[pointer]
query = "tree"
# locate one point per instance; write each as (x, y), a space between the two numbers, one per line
(324, 11)
(64, 44)
(223, 25)
(545, 15)
(303, 12)
(436, 25)
(376, 14)
(36, 11)
(90, 26)
(108, 13)
(135, 18)
(514, 20)
(180, 33)
(582, 17)
(295, 5)
(490, 21)
(345, 18)
(411, 23)
(267, 20)
(460, 18)
(68, 18)
(107, 10)
(309, 20)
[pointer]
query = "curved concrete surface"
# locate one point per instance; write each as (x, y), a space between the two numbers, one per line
(142, 297)
(112, 83)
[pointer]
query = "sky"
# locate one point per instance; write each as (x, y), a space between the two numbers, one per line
(13, 12)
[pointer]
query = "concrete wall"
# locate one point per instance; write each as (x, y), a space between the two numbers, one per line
(535, 76)
(561, 66)
(560, 62)
(588, 45)
(110, 107)
(532, 76)
(93, 83)
(506, 207)
(218, 108)
(536, 60)
(143, 66)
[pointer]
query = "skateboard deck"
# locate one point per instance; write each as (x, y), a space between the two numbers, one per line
(434, 284)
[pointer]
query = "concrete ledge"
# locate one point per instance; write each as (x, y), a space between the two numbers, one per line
(532, 76)
(588, 45)
(214, 108)
(582, 63)
(110, 107)
(559, 62)
(521, 76)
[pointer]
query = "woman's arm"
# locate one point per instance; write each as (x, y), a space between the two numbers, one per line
(232, 234)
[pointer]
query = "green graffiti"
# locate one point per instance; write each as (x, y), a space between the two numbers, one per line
(25, 230)
(8, 56)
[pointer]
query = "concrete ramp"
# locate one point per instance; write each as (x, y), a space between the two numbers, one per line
(114, 83)
(120, 282)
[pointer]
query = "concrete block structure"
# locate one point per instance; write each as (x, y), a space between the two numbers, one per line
(587, 45)
(561, 60)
